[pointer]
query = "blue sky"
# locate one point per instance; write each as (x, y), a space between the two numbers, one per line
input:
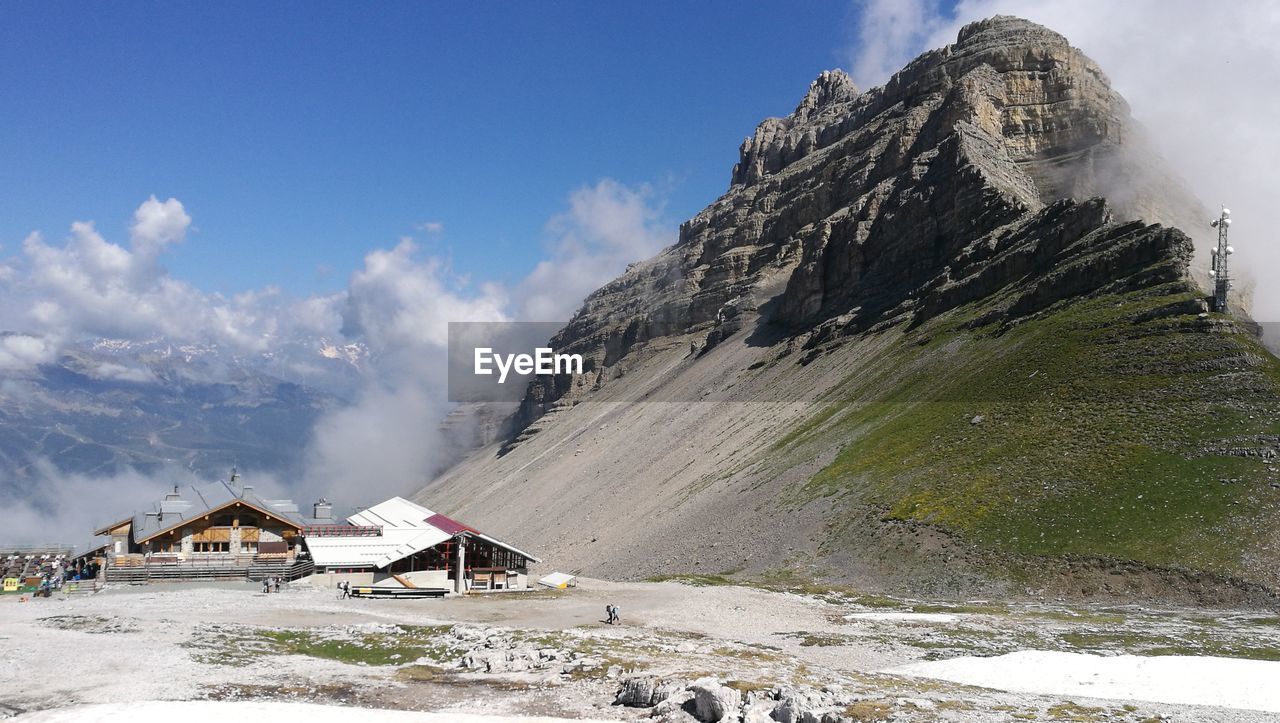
(299, 136)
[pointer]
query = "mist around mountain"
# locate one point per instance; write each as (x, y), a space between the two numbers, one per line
(942, 336)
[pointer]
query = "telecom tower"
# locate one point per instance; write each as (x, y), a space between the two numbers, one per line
(1219, 271)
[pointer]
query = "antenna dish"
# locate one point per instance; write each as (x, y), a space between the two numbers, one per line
(1222, 251)
(1213, 223)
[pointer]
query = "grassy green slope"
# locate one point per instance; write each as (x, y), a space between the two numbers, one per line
(1104, 432)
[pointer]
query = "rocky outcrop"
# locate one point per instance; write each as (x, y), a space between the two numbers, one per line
(976, 168)
(645, 691)
(709, 701)
(815, 123)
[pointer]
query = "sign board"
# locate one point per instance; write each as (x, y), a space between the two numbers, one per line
(11, 584)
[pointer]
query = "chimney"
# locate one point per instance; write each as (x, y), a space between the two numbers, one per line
(322, 510)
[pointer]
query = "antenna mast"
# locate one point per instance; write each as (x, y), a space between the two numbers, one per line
(1219, 272)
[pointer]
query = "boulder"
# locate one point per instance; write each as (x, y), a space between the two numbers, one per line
(678, 702)
(713, 702)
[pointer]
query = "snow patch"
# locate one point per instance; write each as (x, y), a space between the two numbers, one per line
(1188, 680)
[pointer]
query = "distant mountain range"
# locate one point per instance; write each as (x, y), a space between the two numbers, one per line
(108, 405)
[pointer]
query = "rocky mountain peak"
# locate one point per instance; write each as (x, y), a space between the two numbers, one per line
(1006, 30)
(975, 171)
(831, 86)
(778, 142)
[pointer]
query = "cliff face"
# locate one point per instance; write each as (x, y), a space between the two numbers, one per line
(888, 206)
(913, 347)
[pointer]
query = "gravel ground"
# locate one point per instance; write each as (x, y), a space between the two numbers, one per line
(229, 642)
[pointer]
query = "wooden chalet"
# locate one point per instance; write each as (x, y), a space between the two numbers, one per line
(217, 523)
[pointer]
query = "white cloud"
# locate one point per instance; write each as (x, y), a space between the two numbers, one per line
(430, 227)
(397, 305)
(47, 505)
(889, 34)
(20, 352)
(89, 286)
(607, 226)
(387, 443)
(390, 440)
(123, 373)
(1201, 77)
(157, 223)
(398, 302)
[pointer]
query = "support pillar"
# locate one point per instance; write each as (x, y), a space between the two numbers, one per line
(460, 580)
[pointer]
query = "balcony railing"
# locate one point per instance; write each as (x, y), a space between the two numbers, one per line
(342, 531)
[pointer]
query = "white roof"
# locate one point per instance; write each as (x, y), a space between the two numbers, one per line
(376, 551)
(405, 531)
(397, 513)
(420, 541)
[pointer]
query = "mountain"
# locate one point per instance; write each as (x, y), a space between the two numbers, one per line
(107, 405)
(940, 337)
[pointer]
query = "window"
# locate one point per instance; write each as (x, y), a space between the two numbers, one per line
(248, 548)
(212, 547)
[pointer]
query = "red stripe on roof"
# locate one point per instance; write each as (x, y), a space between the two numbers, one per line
(447, 525)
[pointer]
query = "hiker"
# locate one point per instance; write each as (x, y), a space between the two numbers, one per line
(612, 611)
(277, 584)
(346, 589)
(266, 585)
